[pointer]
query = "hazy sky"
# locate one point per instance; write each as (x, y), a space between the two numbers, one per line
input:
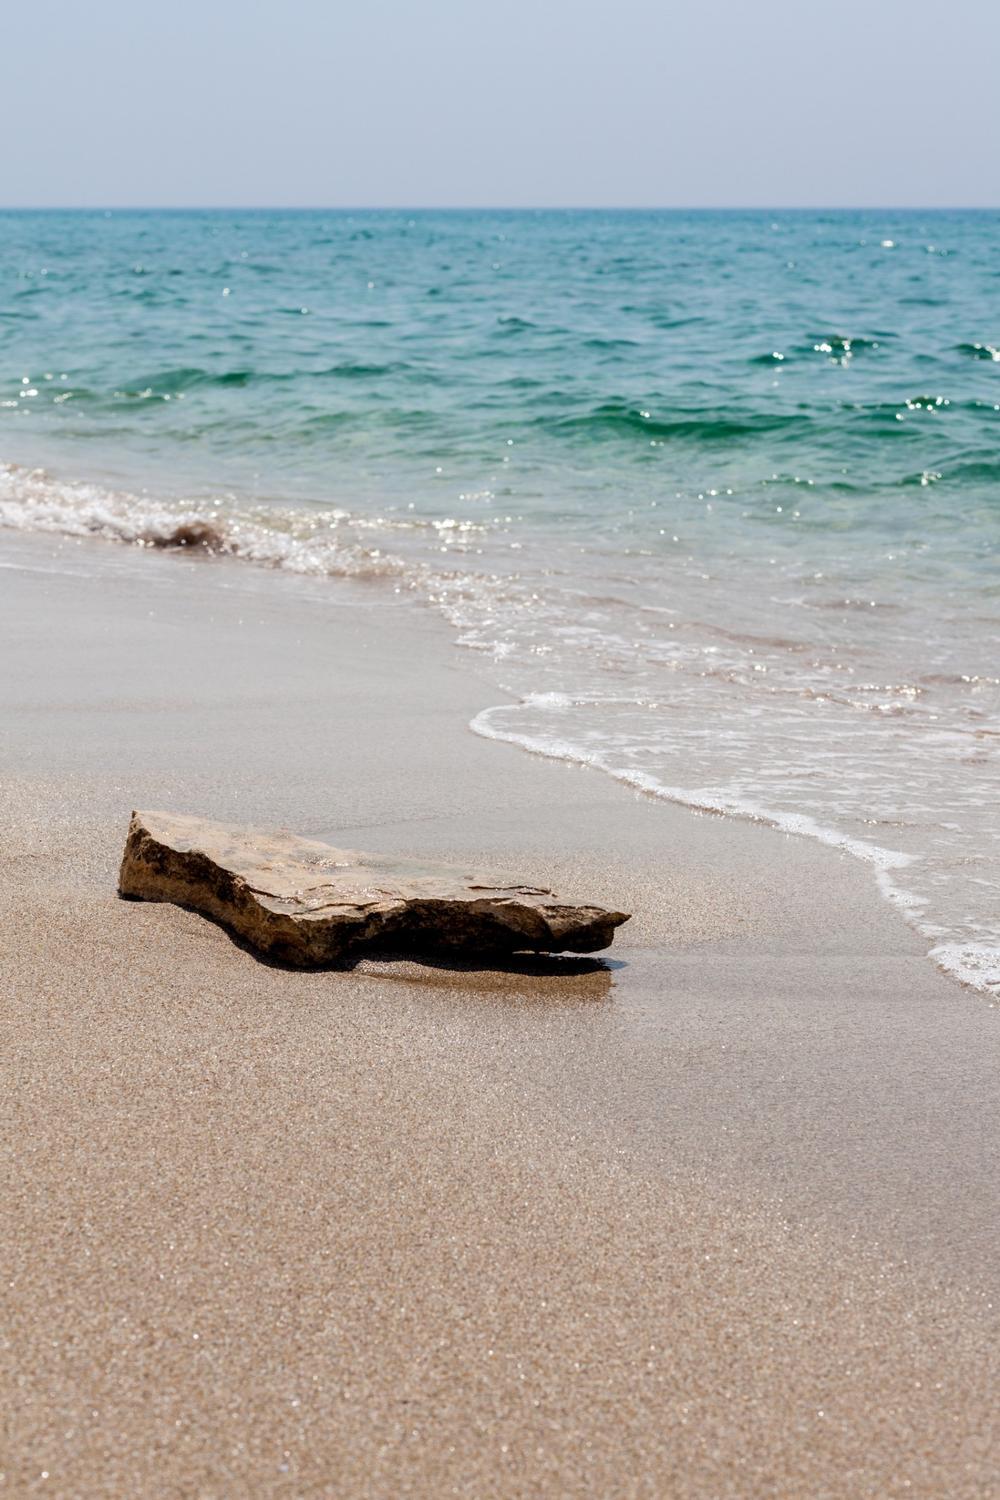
(429, 102)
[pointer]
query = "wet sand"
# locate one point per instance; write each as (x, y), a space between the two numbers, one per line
(716, 1218)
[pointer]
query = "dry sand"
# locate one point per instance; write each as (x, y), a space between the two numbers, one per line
(716, 1219)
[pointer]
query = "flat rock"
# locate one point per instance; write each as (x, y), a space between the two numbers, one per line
(307, 905)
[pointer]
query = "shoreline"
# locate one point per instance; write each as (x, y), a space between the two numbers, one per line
(107, 516)
(402, 1165)
(949, 959)
(972, 966)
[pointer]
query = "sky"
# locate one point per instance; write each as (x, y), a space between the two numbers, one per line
(470, 103)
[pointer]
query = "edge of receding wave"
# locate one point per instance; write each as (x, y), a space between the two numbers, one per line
(976, 966)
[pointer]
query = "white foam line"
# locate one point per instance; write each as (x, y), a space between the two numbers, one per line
(31, 500)
(977, 966)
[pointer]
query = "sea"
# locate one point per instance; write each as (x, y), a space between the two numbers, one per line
(715, 494)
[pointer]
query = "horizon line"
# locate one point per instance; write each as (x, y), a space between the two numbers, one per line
(498, 208)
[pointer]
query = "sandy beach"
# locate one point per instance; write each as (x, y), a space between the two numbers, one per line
(714, 1217)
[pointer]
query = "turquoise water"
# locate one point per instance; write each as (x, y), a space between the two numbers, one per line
(719, 493)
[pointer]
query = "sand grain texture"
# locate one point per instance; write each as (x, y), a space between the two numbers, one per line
(715, 1219)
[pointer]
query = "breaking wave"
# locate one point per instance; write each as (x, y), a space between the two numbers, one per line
(315, 542)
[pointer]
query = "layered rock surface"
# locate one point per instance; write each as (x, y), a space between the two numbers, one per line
(306, 904)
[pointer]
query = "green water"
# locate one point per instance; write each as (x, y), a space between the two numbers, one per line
(719, 492)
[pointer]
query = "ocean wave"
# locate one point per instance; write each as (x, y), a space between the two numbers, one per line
(178, 381)
(842, 345)
(974, 469)
(609, 345)
(512, 325)
(319, 542)
(839, 348)
(621, 419)
(979, 351)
